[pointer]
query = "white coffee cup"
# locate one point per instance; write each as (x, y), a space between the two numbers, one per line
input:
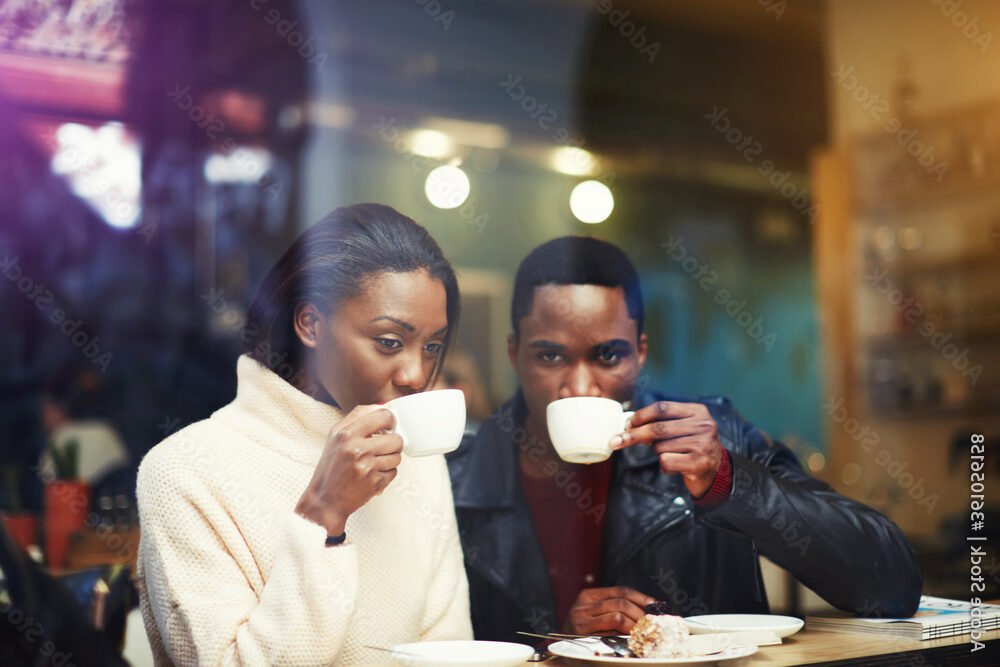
(430, 422)
(581, 427)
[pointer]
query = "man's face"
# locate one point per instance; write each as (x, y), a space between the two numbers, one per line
(578, 340)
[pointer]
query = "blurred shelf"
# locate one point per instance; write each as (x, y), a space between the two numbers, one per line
(92, 548)
(903, 201)
(977, 335)
(940, 265)
(936, 412)
(64, 85)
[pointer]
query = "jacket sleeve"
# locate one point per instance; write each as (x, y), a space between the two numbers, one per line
(849, 554)
(202, 605)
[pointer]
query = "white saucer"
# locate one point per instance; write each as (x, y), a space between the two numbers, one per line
(577, 652)
(464, 653)
(783, 626)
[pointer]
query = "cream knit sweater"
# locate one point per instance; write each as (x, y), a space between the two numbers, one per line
(229, 574)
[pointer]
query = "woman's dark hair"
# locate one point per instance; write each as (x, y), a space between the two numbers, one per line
(575, 260)
(332, 261)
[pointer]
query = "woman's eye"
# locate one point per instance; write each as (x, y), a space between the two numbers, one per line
(433, 348)
(389, 343)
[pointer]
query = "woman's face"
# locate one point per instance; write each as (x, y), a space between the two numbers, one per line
(380, 344)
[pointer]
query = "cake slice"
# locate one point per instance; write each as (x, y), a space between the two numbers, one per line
(660, 634)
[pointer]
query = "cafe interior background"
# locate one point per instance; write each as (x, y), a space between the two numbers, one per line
(834, 165)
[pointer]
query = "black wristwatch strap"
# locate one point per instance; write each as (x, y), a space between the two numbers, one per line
(334, 540)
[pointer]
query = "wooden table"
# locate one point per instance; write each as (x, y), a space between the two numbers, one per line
(809, 647)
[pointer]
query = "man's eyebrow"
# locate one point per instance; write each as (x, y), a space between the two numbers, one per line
(614, 344)
(406, 325)
(546, 345)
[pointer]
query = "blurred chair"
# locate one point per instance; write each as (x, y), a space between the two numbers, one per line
(73, 412)
(106, 595)
(51, 626)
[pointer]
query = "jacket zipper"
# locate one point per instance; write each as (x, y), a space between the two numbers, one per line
(756, 570)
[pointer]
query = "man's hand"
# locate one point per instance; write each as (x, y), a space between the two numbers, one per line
(684, 435)
(607, 610)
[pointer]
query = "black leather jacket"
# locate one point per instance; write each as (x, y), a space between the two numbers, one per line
(658, 542)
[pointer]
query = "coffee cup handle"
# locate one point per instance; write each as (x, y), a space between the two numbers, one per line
(625, 418)
(397, 428)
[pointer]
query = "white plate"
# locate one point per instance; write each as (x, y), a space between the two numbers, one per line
(470, 653)
(783, 626)
(567, 650)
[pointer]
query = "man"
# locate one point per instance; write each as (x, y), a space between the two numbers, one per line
(690, 497)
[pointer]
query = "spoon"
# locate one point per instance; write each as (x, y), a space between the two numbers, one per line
(393, 651)
(617, 644)
(540, 655)
(553, 635)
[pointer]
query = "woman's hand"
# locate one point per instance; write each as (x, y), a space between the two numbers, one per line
(357, 463)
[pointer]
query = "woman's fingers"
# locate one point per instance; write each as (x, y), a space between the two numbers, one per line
(378, 419)
(385, 479)
(354, 415)
(385, 443)
(388, 462)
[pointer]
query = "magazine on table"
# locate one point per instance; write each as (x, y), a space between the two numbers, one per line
(935, 617)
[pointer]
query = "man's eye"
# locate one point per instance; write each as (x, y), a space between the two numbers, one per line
(548, 357)
(611, 356)
(389, 343)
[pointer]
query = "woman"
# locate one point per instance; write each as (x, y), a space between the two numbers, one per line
(287, 528)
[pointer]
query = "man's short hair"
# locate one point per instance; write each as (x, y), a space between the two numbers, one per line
(575, 260)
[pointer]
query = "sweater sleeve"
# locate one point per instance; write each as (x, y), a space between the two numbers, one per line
(447, 614)
(202, 604)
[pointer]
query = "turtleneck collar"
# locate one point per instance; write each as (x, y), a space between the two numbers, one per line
(272, 412)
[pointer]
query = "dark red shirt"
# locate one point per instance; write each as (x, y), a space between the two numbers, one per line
(569, 509)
